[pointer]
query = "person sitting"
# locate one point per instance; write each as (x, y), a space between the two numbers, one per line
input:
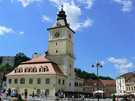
(12, 93)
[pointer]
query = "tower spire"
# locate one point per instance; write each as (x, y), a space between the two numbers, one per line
(62, 7)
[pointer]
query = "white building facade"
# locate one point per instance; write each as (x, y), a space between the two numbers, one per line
(120, 85)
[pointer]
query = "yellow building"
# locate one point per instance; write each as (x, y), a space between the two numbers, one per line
(130, 85)
(54, 71)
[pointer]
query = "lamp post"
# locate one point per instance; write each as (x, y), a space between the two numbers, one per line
(98, 64)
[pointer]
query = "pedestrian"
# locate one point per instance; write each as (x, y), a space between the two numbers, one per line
(46, 93)
(12, 94)
(33, 95)
(56, 97)
(42, 95)
(25, 94)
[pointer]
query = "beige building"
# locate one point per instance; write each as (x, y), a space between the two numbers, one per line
(130, 85)
(54, 71)
(108, 86)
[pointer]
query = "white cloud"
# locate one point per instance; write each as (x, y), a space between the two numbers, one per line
(127, 4)
(73, 13)
(102, 62)
(4, 30)
(25, 3)
(88, 2)
(58, 2)
(122, 65)
(119, 61)
(46, 18)
(21, 32)
(133, 58)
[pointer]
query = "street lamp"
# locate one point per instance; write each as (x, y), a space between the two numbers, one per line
(98, 64)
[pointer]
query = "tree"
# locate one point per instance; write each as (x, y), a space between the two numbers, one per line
(20, 57)
(86, 75)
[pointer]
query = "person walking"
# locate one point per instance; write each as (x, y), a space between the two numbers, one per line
(25, 94)
(46, 93)
(33, 95)
(42, 95)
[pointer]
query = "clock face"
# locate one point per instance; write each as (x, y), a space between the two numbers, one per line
(57, 34)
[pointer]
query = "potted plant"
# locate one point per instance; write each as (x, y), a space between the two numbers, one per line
(19, 98)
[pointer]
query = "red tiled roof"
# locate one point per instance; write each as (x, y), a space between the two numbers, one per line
(109, 82)
(125, 74)
(92, 83)
(131, 79)
(38, 62)
(41, 59)
(77, 77)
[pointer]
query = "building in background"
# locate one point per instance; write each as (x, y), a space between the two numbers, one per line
(121, 82)
(53, 72)
(130, 85)
(107, 86)
(8, 61)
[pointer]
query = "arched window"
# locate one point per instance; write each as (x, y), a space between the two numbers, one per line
(22, 81)
(38, 91)
(29, 70)
(19, 70)
(44, 69)
(39, 69)
(33, 70)
(25, 70)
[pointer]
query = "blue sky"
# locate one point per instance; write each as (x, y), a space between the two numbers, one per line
(105, 31)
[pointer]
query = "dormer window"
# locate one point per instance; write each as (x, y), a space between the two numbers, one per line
(39, 69)
(25, 70)
(19, 71)
(29, 70)
(33, 70)
(44, 69)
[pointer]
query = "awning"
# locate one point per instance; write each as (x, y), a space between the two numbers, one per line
(99, 91)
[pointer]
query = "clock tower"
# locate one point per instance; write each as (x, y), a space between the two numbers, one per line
(61, 48)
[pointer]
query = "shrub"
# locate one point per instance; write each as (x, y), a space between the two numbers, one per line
(19, 98)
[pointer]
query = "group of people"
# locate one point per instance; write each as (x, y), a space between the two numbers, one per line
(8, 93)
(43, 95)
(59, 95)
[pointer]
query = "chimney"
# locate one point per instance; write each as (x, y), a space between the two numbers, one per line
(39, 54)
(35, 55)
